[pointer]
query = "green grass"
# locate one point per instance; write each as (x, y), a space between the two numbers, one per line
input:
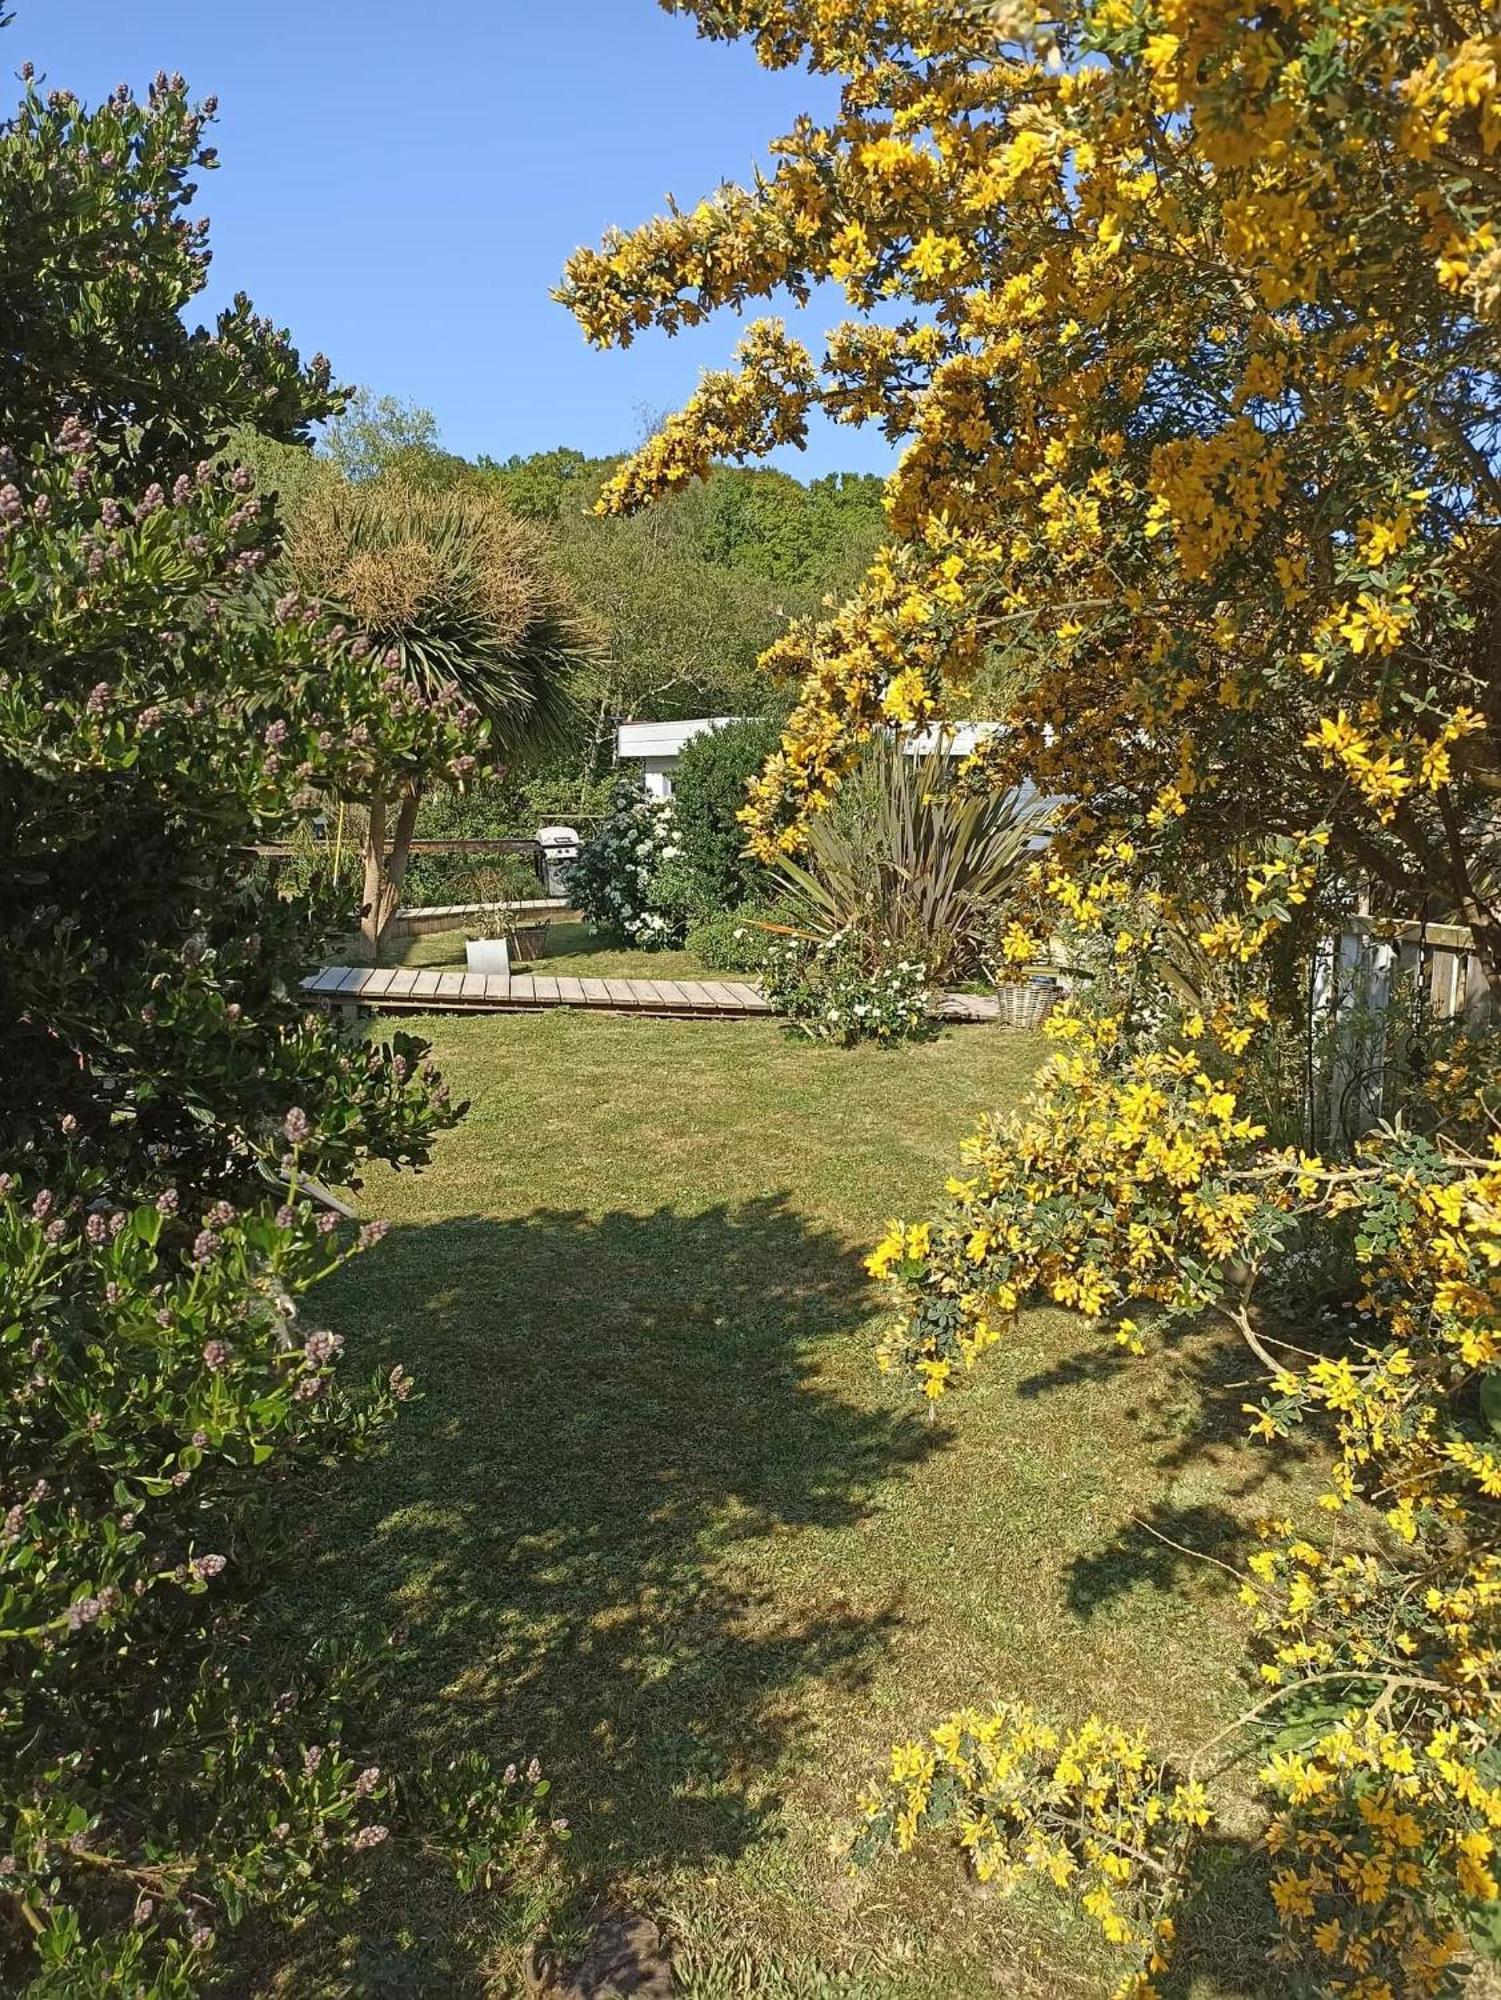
(569, 948)
(659, 1519)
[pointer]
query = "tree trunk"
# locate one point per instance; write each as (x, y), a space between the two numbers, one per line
(385, 868)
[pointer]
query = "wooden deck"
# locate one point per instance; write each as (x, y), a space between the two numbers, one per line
(347, 987)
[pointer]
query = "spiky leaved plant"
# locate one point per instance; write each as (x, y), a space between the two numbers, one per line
(913, 858)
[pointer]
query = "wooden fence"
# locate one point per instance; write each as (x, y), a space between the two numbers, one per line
(1373, 987)
(1439, 959)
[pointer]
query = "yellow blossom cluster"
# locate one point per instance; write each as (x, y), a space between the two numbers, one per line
(764, 404)
(1198, 349)
(1086, 1810)
(1133, 1177)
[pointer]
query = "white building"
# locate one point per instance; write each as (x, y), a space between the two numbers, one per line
(656, 747)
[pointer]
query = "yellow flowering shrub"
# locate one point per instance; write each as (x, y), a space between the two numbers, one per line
(1136, 1182)
(1084, 1810)
(1186, 317)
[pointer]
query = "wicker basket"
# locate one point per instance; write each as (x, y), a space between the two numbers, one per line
(1026, 1005)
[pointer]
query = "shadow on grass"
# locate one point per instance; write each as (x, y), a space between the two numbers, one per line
(1226, 1926)
(619, 1438)
(576, 940)
(1198, 1422)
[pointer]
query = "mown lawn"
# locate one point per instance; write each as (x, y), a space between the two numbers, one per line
(658, 1518)
(571, 949)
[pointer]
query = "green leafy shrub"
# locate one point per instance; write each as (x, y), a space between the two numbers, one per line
(832, 991)
(172, 1113)
(675, 894)
(708, 791)
(469, 878)
(616, 883)
(731, 940)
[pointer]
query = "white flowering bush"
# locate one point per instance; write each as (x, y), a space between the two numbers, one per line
(617, 882)
(833, 991)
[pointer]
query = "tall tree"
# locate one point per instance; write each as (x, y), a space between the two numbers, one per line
(1197, 383)
(375, 434)
(172, 1117)
(462, 605)
(101, 260)
(690, 596)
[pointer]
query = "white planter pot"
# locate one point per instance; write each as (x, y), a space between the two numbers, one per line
(487, 955)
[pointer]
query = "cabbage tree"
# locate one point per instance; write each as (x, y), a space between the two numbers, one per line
(461, 608)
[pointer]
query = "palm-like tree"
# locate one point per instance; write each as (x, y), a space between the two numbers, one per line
(457, 594)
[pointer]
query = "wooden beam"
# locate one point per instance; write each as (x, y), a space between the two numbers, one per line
(1448, 937)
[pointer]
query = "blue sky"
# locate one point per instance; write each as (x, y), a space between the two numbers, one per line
(401, 183)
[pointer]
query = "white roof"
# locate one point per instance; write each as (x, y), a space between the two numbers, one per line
(664, 739)
(669, 739)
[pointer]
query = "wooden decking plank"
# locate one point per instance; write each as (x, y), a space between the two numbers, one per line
(750, 997)
(408, 985)
(723, 997)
